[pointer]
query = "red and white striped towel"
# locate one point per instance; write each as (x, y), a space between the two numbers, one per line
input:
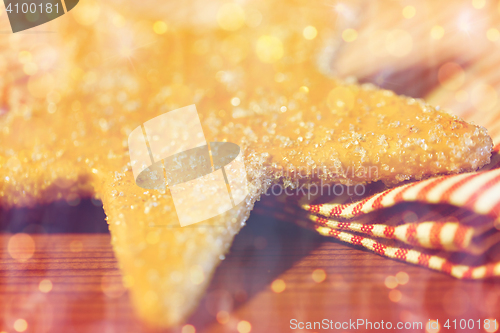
(448, 223)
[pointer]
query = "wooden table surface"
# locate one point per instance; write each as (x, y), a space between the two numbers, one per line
(86, 294)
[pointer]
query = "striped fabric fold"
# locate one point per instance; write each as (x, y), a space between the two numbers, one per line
(477, 191)
(448, 223)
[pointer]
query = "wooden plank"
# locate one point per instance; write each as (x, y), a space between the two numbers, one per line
(87, 295)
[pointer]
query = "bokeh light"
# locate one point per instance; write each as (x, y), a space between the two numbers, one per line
(402, 278)
(235, 101)
(118, 20)
(432, 326)
(21, 247)
(160, 27)
(395, 295)
(87, 12)
(230, 17)
(279, 77)
(253, 18)
(341, 98)
(409, 12)
(201, 46)
(20, 325)
(493, 34)
(30, 68)
(491, 325)
(391, 282)
(437, 32)
(278, 286)
(188, 329)
(318, 275)
(310, 32)
(222, 317)
(478, 4)
(269, 49)
(349, 35)
(24, 57)
(45, 286)
(244, 327)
